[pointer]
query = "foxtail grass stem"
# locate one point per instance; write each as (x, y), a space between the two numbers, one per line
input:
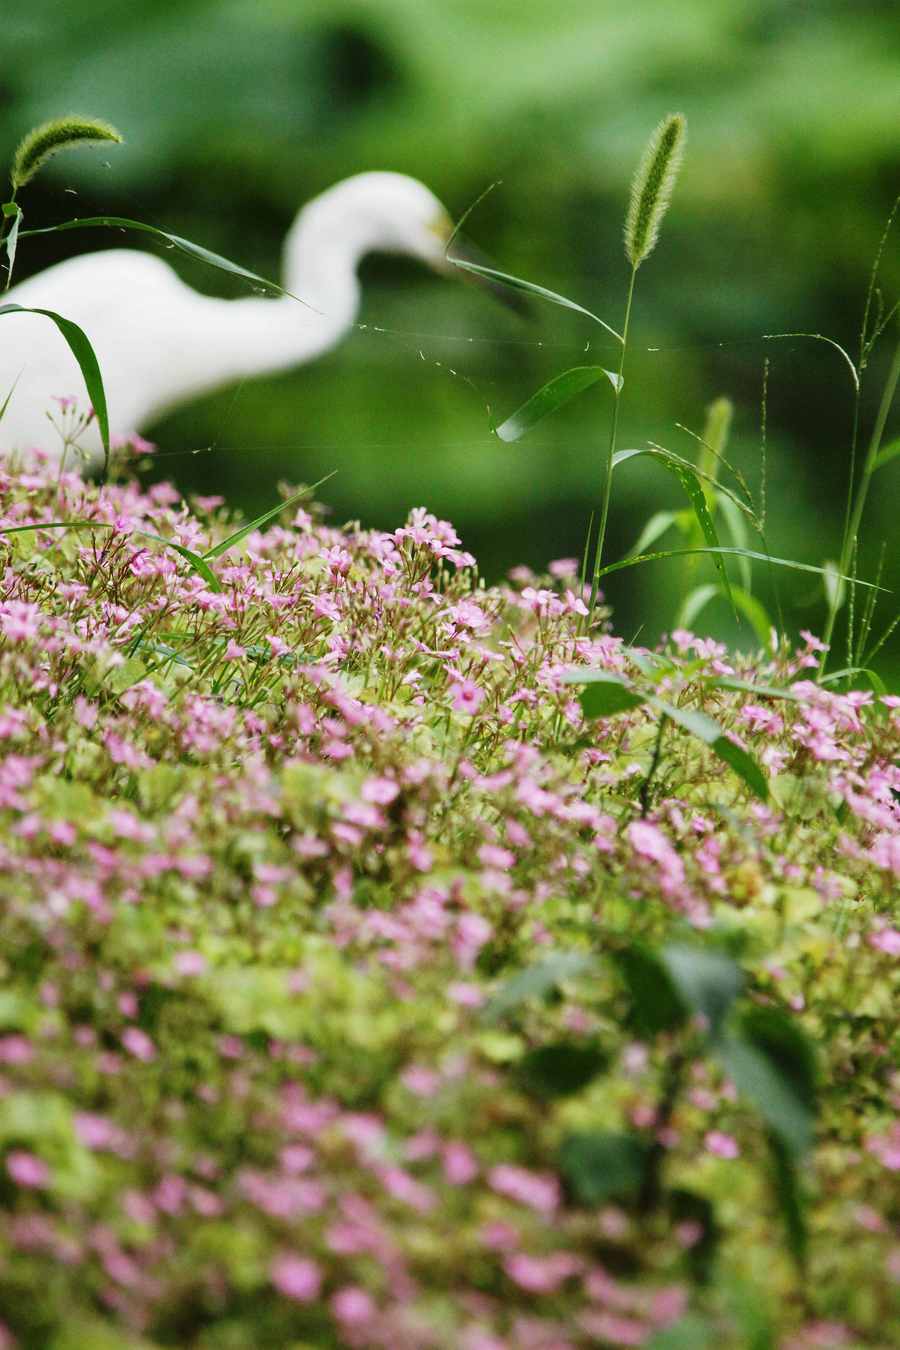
(613, 432)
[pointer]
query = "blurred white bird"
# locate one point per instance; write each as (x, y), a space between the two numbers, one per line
(160, 343)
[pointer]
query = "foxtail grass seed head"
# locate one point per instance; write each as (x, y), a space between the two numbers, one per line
(63, 133)
(651, 187)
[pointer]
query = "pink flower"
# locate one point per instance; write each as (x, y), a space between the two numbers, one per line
(467, 697)
(139, 1044)
(352, 1306)
(190, 963)
(296, 1277)
(26, 1169)
(460, 1166)
(722, 1145)
(538, 1190)
(541, 1274)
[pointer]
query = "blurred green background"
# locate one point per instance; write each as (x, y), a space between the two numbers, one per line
(237, 113)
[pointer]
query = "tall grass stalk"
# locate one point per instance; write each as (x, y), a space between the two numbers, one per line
(857, 499)
(651, 192)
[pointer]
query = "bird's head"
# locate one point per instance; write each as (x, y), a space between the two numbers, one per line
(381, 212)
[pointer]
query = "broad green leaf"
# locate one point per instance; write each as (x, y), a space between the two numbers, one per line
(530, 288)
(735, 519)
(551, 396)
(603, 693)
(83, 352)
(598, 1166)
(688, 1333)
(656, 527)
(561, 1068)
(656, 1004)
(538, 980)
(707, 981)
(890, 451)
(771, 1062)
(242, 533)
(748, 604)
(187, 246)
(710, 733)
(789, 1194)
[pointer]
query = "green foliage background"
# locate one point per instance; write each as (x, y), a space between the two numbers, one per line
(238, 111)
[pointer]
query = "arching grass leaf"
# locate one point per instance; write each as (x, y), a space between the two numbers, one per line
(83, 352)
(186, 246)
(730, 552)
(551, 396)
(530, 288)
(218, 549)
(655, 528)
(12, 211)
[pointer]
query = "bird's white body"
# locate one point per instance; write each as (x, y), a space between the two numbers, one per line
(160, 344)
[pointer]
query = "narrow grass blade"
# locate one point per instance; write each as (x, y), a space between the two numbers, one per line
(6, 402)
(530, 288)
(692, 486)
(197, 563)
(890, 451)
(730, 552)
(819, 337)
(872, 676)
(83, 352)
(238, 535)
(187, 246)
(735, 519)
(759, 690)
(551, 396)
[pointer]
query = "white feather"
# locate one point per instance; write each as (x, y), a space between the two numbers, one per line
(160, 344)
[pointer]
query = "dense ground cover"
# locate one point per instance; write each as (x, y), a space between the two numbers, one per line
(279, 838)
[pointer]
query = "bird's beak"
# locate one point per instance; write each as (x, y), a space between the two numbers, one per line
(462, 250)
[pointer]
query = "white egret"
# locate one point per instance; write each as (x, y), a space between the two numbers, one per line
(160, 343)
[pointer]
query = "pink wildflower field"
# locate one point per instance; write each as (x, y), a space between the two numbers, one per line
(363, 985)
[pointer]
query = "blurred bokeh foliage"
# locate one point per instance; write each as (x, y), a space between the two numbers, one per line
(237, 111)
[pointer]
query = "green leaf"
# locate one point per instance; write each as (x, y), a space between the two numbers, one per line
(789, 1193)
(710, 733)
(598, 1166)
(656, 1004)
(759, 690)
(890, 451)
(561, 1068)
(187, 246)
(771, 1062)
(604, 693)
(735, 518)
(530, 288)
(742, 600)
(83, 352)
(729, 552)
(12, 211)
(197, 563)
(551, 396)
(538, 980)
(688, 1333)
(707, 981)
(692, 486)
(238, 535)
(872, 676)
